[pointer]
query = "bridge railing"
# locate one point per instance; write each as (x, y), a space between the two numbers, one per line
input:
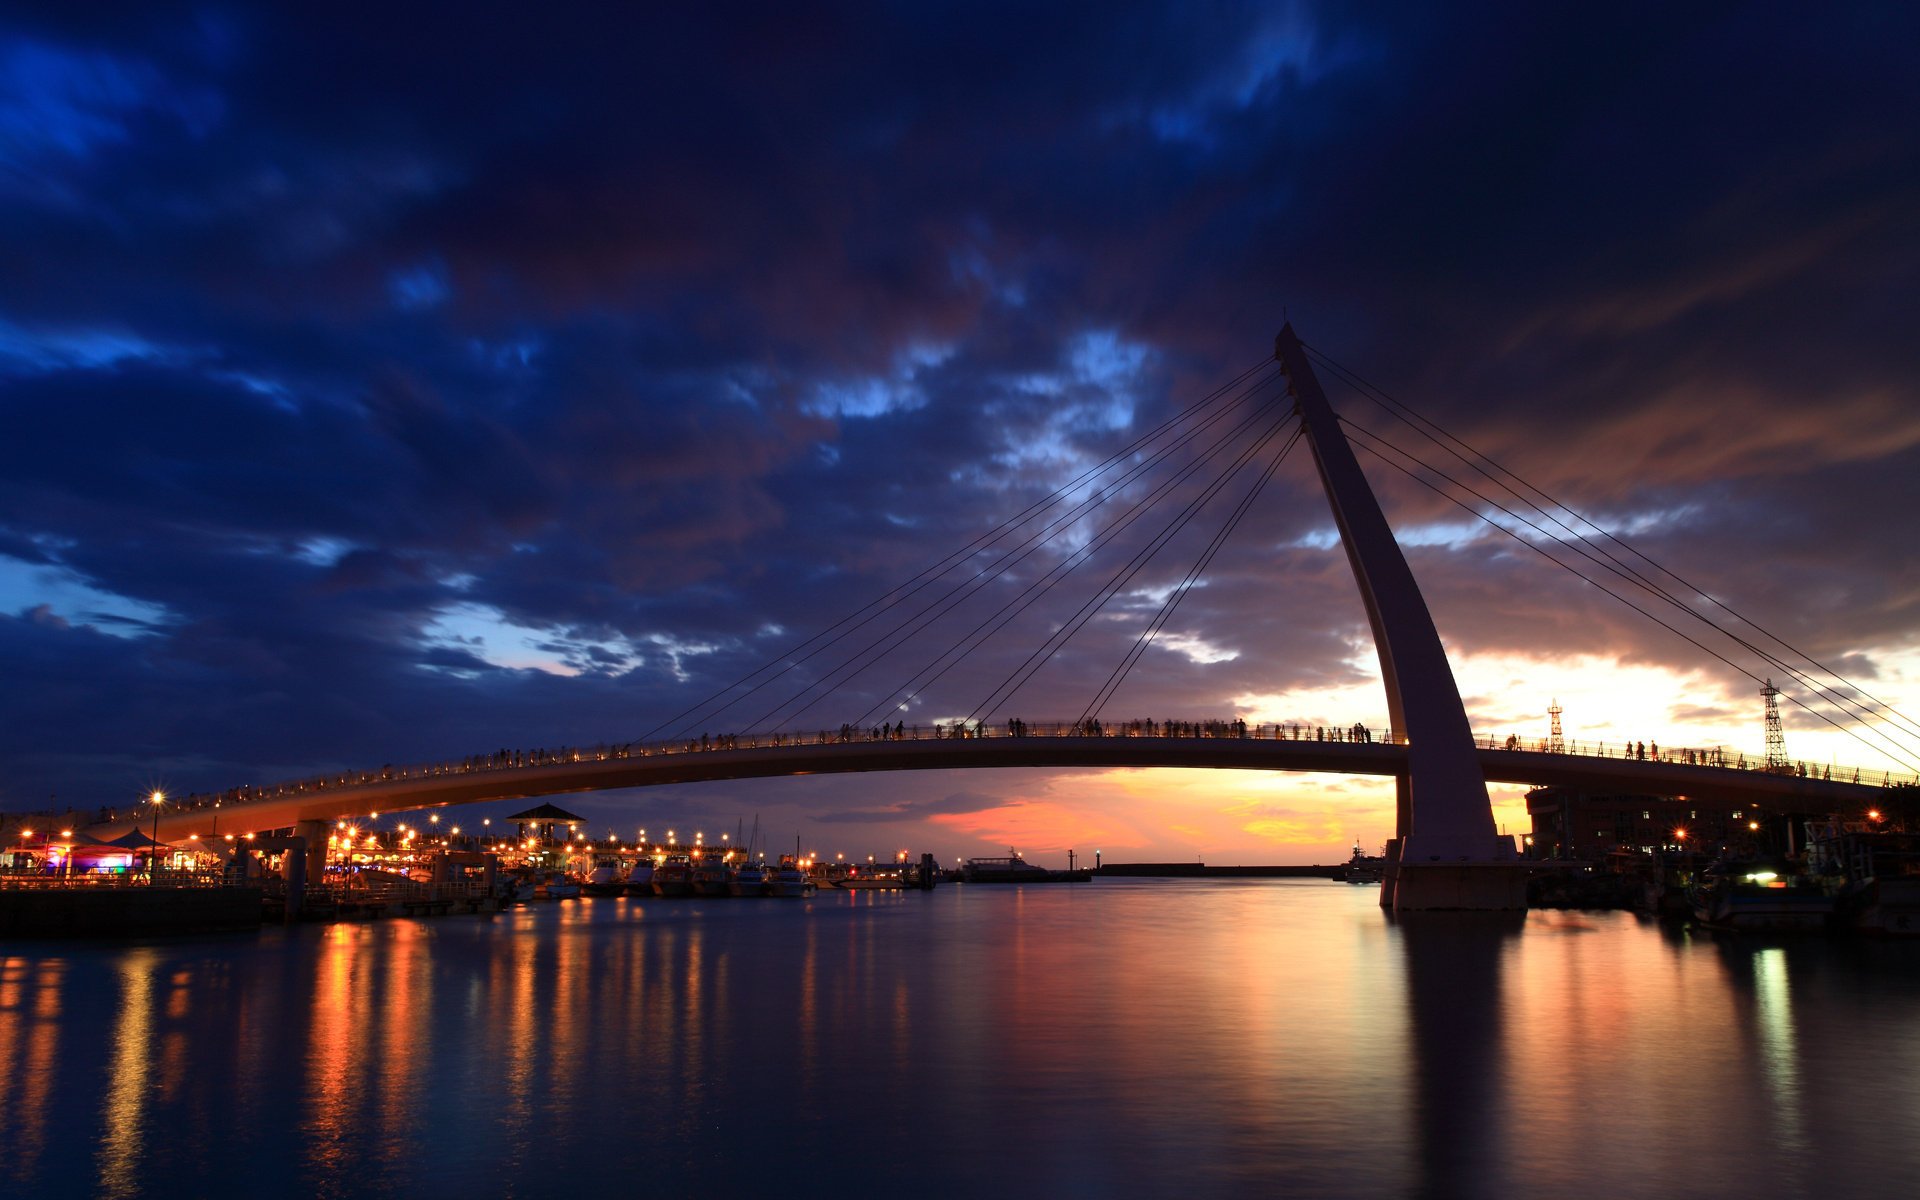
(1357, 733)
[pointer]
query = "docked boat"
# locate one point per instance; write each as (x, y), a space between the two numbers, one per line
(1880, 889)
(892, 878)
(789, 881)
(1763, 896)
(604, 881)
(674, 877)
(558, 886)
(640, 878)
(710, 878)
(750, 879)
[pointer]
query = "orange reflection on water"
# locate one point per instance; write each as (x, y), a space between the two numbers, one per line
(117, 1163)
(335, 1028)
(30, 1004)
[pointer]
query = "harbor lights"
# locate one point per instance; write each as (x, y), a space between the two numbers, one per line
(1873, 814)
(66, 853)
(157, 799)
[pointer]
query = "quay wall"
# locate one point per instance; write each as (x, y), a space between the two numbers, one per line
(87, 912)
(1183, 870)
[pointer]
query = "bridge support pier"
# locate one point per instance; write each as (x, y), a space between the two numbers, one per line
(316, 834)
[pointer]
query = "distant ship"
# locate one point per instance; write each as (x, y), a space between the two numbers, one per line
(1015, 869)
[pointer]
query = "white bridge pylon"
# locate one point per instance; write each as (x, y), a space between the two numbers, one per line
(1448, 854)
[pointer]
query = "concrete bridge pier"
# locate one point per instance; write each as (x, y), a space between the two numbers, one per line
(315, 833)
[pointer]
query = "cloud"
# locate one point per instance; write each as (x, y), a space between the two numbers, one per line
(406, 397)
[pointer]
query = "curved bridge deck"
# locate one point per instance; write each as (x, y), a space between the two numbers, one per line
(258, 810)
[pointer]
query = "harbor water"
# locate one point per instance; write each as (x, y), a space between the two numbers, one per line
(1137, 1037)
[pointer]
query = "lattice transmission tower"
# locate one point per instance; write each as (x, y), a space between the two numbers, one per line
(1556, 742)
(1776, 740)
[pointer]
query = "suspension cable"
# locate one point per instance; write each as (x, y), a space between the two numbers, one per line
(1500, 476)
(1897, 754)
(902, 592)
(1058, 640)
(878, 648)
(1048, 580)
(1180, 592)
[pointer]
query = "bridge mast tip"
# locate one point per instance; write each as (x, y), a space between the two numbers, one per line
(1285, 340)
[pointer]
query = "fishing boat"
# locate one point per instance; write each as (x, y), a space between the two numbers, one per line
(559, 886)
(1771, 896)
(1880, 890)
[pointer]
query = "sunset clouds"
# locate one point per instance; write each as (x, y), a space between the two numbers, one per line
(387, 385)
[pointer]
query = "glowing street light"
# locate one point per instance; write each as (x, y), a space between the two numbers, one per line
(157, 799)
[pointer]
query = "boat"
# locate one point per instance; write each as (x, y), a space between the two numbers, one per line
(750, 879)
(1767, 895)
(862, 878)
(1363, 867)
(710, 878)
(1879, 892)
(640, 878)
(1015, 869)
(674, 876)
(789, 880)
(559, 886)
(604, 880)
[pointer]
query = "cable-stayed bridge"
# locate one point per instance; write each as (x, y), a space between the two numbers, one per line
(1447, 853)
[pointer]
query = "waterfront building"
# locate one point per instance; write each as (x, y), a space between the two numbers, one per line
(1571, 823)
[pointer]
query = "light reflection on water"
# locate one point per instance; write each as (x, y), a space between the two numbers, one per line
(1150, 1038)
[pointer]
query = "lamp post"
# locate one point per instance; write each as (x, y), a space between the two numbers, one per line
(153, 852)
(66, 854)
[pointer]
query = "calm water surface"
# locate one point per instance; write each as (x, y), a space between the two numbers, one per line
(1145, 1038)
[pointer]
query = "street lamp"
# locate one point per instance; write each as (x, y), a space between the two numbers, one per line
(157, 799)
(66, 853)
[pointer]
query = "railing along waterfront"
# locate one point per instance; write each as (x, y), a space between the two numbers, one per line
(20, 878)
(506, 760)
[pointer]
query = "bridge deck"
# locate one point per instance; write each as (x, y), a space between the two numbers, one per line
(606, 770)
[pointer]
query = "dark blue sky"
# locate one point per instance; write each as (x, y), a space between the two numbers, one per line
(385, 383)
